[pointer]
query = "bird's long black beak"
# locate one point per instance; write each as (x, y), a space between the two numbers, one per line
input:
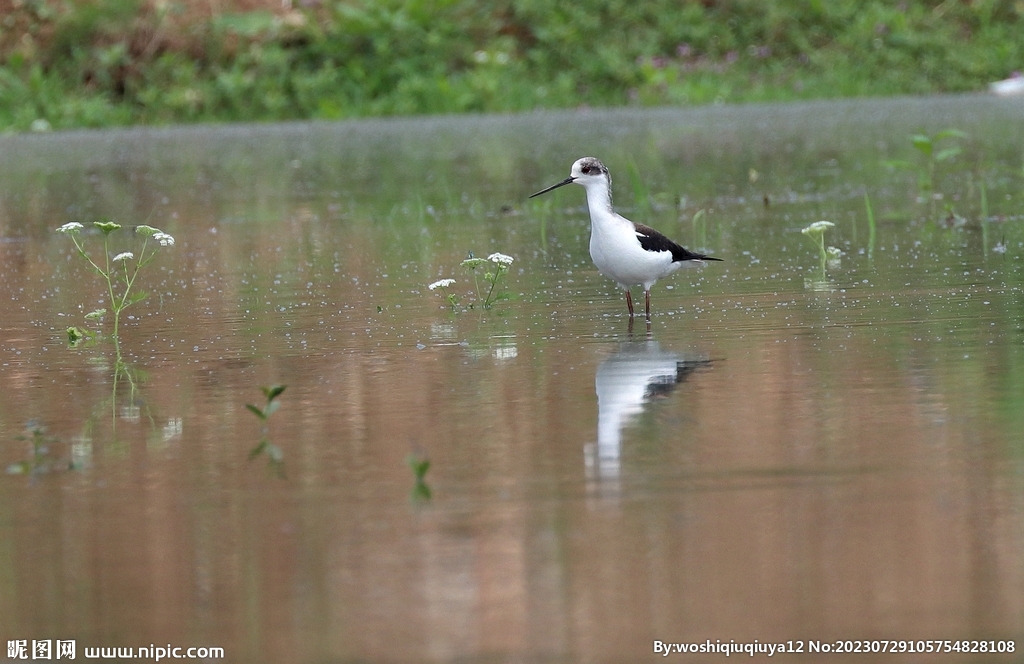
(564, 182)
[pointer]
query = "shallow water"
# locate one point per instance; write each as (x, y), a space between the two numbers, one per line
(784, 456)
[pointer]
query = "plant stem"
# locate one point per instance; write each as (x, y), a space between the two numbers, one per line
(984, 219)
(871, 226)
(487, 300)
(822, 253)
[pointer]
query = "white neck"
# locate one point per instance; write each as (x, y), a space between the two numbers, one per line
(599, 199)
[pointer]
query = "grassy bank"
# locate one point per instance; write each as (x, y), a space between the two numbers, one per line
(97, 63)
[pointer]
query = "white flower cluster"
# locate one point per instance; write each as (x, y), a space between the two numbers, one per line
(818, 227)
(443, 283)
(124, 256)
(70, 227)
(500, 259)
(164, 239)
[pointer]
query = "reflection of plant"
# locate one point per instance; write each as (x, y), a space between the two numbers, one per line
(41, 460)
(816, 232)
(420, 466)
(275, 456)
(119, 272)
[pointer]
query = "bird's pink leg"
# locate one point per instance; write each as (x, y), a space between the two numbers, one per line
(647, 296)
(629, 302)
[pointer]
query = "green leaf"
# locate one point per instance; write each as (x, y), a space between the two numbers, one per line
(148, 231)
(273, 391)
(95, 315)
(259, 413)
(272, 408)
(922, 143)
(951, 133)
(76, 335)
(948, 153)
(138, 296)
(419, 466)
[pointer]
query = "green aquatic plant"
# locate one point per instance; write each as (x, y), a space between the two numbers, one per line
(641, 194)
(871, 225)
(275, 455)
(700, 228)
(928, 147)
(931, 154)
(816, 232)
(497, 265)
(984, 218)
(118, 271)
(444, 285)
(419, 466)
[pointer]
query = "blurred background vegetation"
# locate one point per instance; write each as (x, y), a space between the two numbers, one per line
(92, 63)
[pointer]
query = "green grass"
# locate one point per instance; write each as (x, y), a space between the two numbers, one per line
(117, 62)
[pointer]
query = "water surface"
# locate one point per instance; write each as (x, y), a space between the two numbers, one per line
(785, 455)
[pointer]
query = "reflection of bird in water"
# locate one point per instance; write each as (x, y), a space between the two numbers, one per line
(625, 382)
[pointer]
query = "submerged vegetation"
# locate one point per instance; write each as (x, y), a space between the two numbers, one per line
(117, 62)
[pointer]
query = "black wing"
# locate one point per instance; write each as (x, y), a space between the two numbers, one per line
(652, 240)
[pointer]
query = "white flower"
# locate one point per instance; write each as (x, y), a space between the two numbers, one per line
(124, 256)
(70, 227)
(500, 259)
(818, 227)
(443, 283)
(164, 239)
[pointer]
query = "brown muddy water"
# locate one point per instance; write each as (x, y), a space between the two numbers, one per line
(789, 454)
